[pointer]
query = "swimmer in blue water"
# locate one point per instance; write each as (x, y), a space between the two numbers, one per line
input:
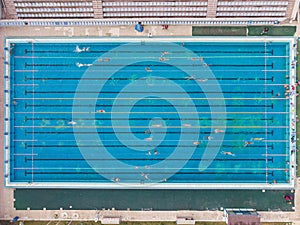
(72, 122)
(104, 60)
(84, 49)
(227, 153)
(83, 64)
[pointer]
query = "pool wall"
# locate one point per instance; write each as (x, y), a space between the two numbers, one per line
(7, 119)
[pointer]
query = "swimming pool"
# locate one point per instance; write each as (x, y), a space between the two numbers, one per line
(150, 113)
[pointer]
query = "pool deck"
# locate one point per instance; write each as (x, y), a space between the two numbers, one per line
(7, 210)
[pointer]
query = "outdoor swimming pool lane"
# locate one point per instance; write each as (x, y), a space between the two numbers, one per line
(255, 147)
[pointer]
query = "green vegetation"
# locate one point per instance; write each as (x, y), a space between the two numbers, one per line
(272, 30)
(219, 31)
(243, 31)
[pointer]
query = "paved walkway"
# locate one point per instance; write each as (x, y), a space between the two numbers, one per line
(6, 195)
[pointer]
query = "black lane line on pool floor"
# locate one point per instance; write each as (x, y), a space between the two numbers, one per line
(164, 106)
(129, 146)
(149, 173)
(26, 51)
(147, 159)
(154, 92)
(151, 65)
(141, 132)
(154, 78)
(149, 119)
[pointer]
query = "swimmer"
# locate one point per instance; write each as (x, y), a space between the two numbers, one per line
(155, 152)
(164, 180)
(156, 125)
(14, 102)
(182, 44)
(162, 59)
(196, 143)
(101, 111)
(186, 125)
(148, 69)
(148, 131)
(219, 131)
(195, 59)
(72, 122)
(145, 176)
(202, 80)
(104, 60)
(247, 143)
(286, 86)
(84, 49)
(136, 167)
(190, 78)
(257, 139)
(77, 49)
(278, 94)
(148, 139)
(210, 138)
(149, 153)
(83, 64)
(116, 179)
(165, 53)
(227, 153)
(79, 64)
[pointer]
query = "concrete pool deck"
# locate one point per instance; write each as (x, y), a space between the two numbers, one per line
(7, 210)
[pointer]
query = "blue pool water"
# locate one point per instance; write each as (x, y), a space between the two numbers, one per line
(193, 112)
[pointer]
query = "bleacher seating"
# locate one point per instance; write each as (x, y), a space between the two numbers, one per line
(226, 8)
(54, 9)
(30, 9)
